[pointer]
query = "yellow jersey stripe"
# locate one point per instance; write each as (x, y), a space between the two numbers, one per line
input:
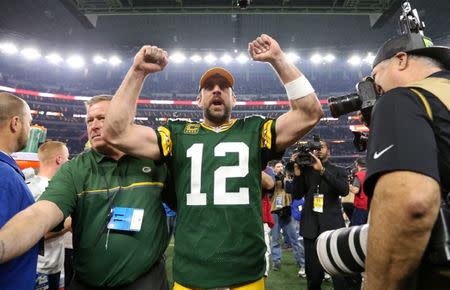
(266, 135)
(166, 141)
(136, 184)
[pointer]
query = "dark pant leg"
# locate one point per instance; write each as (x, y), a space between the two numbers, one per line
(339, 283)
(53, 281)
(314, 271)
(154, 279)
(359, 216)
(68, 270)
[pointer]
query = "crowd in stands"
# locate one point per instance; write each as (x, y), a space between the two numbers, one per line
(254, 83)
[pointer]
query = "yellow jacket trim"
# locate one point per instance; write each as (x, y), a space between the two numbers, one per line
(136, 184)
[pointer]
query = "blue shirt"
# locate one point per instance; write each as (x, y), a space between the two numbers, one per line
(19, 273)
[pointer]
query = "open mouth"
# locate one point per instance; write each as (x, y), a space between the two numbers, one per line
(217, 102)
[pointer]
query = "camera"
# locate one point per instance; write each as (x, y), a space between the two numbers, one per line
(366, 94)
(243, 4)
(362, 100)
(360, 140)
(303, 149)
(342, 252)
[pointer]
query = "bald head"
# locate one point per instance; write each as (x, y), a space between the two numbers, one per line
(15, 123)
(10, 106)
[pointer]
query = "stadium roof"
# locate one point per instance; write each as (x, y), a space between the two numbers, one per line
(215, 24)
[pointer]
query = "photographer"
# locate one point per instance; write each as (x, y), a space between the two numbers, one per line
(321, 183)
(281, 213)
(360, 213)
(408, 162)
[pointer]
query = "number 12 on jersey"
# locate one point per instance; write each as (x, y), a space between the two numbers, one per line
(221, 196)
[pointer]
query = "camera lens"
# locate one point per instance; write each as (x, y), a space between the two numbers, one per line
(342, 252)
(344, 104)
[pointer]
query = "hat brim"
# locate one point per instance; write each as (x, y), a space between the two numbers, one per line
(439, 53)
(216, 71)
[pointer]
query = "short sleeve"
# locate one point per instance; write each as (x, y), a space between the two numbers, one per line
(401, 138)
(165, 141)
(268, 142)
(61, 190)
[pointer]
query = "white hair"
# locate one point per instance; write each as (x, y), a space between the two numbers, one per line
(428, 61)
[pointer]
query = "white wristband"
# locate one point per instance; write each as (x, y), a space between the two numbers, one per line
(298, 88)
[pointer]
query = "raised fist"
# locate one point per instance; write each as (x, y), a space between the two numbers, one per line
(264, 48)
(150, 59)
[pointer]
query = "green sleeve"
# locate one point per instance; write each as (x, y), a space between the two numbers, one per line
(62, 190)
(268, 142)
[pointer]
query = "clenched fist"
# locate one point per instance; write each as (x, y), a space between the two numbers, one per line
(150, 59)
(264, 48)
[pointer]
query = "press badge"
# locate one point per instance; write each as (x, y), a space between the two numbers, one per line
(318, 203)
(126, 219)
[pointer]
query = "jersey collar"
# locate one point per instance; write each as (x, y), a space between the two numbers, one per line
(221, 128)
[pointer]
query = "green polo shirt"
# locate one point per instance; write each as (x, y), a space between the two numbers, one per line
(86, 188)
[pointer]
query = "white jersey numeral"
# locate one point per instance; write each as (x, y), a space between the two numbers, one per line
(221, 196)
(195, 197)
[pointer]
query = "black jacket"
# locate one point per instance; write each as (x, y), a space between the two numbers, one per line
(333, 183)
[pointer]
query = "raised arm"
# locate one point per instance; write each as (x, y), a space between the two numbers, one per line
(119, 129)
(402, 214)
(27, 227)
(305, 110)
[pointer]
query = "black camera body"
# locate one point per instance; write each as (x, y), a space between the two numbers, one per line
(363, 100)
(303, 150)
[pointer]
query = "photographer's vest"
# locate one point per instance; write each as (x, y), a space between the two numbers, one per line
(439, 87)
(280, 199)
(438, 250)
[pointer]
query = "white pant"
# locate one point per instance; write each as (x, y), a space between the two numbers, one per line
(267, 255)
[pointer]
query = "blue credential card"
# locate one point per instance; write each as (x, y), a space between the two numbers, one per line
(126, 219)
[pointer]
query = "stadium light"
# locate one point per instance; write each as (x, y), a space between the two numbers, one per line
(210, 58)
(54, 58)
(369, 58)
(316, 58)
(99, 59)
(196, 58)
(177, 57)
(329, 58)
(31, 53)
(226, 59)
(354, 60)
(75, 61)
(292, 57)
(8, 48)
(114, 60)
(242, 58)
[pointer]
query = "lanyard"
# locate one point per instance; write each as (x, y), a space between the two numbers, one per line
(111, 198)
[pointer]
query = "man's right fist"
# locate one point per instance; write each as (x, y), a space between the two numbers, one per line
(150, 59)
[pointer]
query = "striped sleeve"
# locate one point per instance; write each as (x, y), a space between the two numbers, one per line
(164, 141)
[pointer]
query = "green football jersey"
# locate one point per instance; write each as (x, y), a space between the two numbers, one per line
(219, 239)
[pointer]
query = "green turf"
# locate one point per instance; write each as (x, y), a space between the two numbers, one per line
(286, 279)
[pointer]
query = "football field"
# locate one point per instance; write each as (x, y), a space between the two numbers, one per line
(286, 279)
